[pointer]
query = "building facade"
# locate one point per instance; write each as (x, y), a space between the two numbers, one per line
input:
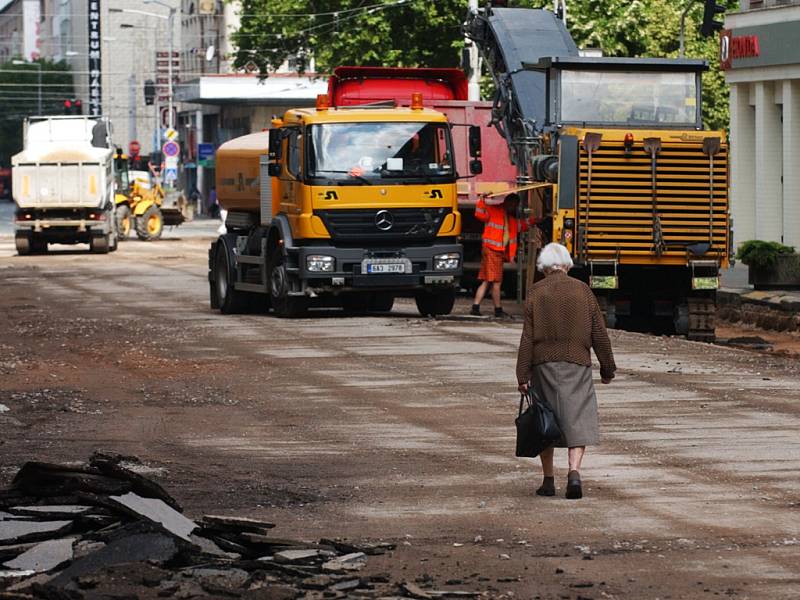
(219, 103)
(760, 54)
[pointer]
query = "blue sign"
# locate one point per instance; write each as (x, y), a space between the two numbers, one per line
(205, 155)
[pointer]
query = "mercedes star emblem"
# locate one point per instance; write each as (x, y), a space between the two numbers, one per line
(384, 220)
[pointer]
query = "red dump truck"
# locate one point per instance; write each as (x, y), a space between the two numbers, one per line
(444, 90)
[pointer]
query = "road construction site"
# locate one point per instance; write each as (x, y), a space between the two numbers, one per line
(398, 430)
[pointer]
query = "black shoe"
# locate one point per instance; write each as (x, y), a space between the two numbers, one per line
(548, 487)
(574, 490)
(475, 311)
(499, 313)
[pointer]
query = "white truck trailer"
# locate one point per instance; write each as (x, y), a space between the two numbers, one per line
(63, 184)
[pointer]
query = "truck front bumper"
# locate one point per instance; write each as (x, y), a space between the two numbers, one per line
(348, 268)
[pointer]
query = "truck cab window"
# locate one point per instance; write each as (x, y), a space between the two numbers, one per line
(360, 153)
(293, 156)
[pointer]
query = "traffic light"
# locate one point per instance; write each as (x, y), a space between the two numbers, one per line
(73, 106)
(710, 10)
(149, 92)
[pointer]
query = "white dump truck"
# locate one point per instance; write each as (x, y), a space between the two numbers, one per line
(63, 184)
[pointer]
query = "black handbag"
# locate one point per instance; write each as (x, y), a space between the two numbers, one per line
(537, 427)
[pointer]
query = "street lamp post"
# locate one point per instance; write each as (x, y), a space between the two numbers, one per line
(171, 25)
(39, 78)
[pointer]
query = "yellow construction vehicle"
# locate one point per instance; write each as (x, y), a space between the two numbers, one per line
(142, 204)
(624, 174)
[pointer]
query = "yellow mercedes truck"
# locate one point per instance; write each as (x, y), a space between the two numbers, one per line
(340, 207)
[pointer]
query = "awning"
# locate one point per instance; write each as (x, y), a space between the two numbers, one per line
(279, 90)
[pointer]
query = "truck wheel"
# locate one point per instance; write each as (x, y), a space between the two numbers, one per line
(381, 302)
(435, 303)
(285, 306)
(123, 221)
(38, 246)
(150, 225)
(99, 244)
(22, 240)
(230, 300)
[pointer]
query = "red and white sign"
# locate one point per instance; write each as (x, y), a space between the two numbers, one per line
(733, 47)
(171, 149)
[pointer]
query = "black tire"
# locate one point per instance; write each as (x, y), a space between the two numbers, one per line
(100, 244)
(22, 240)
(381, 302)
(229, 300)
(124, 219)
(435, 303)
(150, 225)
(38, 245)
(285, 306)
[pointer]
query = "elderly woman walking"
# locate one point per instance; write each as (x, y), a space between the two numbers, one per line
(563, 323)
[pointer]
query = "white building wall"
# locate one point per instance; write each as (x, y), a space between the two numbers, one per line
(742, 166)
(791, 163)
(769, 163)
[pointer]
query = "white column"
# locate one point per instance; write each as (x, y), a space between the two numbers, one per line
(791, 172)
(769, 164)
(742, 165)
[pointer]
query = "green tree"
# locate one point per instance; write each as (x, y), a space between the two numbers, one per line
(349, 32)
(423, 33)
(19, 98)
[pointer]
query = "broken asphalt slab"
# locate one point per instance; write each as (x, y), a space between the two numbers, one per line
(156, 547)
(157, 511)
(44, 556)
(12, 532)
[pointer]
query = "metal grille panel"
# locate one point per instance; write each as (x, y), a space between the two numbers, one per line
(620, 220)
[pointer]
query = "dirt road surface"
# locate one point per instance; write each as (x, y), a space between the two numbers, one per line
(400, 429)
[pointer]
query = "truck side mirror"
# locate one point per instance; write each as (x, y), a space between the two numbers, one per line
(475, 167)
(275, 138)
(274, 169)
(475, 141)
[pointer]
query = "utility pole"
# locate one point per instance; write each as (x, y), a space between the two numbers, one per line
(171, 25)
(683, 25)
(474, 85)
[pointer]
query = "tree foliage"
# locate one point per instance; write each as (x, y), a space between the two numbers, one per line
(19, 98)
(349, 32)
(423, 33)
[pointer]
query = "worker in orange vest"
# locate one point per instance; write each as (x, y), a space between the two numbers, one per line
(500, 232)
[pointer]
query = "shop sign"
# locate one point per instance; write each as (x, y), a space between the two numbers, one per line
(733, 47)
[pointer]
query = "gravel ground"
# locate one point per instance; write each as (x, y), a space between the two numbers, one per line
(400, 429)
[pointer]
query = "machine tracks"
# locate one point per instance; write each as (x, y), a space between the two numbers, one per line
(702, 319)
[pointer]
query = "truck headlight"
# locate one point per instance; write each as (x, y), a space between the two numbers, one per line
(320, 263)
(446, 262)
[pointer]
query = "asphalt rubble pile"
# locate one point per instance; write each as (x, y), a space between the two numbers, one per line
(101, 529)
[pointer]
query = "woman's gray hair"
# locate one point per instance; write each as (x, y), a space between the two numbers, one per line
(554, 256)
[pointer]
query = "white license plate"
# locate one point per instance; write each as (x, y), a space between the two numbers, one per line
(386, 268)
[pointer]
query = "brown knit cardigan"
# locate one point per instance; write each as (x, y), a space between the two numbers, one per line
(562, 323)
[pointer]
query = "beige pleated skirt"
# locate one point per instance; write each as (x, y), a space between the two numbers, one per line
(569, 390)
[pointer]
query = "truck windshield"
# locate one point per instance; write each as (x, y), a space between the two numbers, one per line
(625, 97)
(366, 153)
